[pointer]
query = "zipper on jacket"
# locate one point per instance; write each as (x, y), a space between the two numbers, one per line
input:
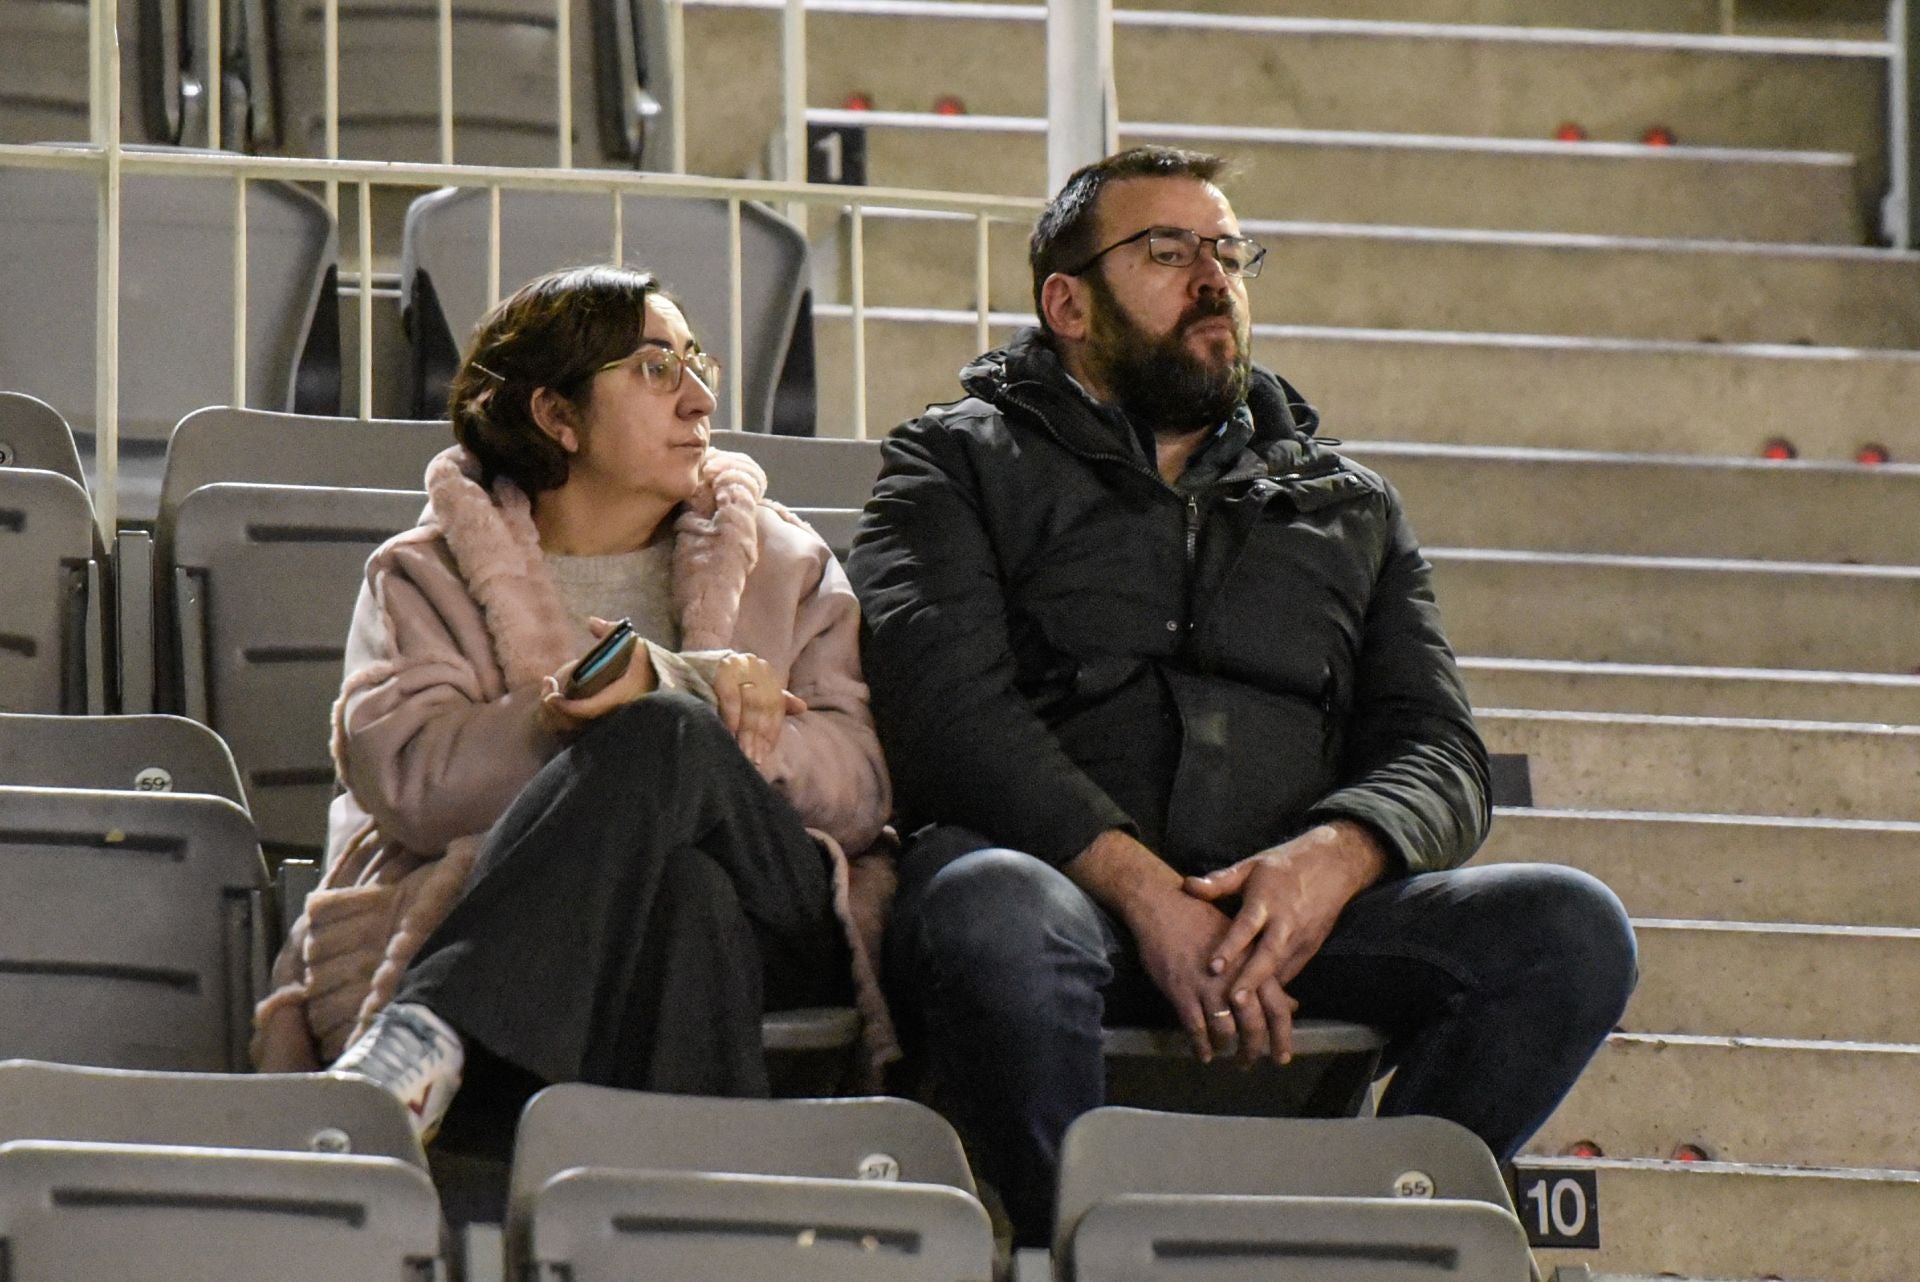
(1193, 527)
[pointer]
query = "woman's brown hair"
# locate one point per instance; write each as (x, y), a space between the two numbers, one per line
(555, 332)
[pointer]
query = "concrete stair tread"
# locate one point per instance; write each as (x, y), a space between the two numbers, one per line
(1690, 765)
(1682, 690)
(1430, 180)
(1461, 387)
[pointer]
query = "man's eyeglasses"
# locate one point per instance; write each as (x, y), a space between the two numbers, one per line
(1177, 247)
(664, 369)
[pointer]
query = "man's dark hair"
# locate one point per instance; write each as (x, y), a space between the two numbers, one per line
(554, 332)
(1063, 237)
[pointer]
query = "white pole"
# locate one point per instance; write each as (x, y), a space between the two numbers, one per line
(858, 273)
(1082, 118)
(1896, 213)
(493, 244)
(366, 300)
(330, 37)
(214, 74)
(563, 36)
(793, 114)
(239, 292)
(446, 81)
(104, 74)
(619, 230)
(676, 86)
(736, 323)
(982, 283)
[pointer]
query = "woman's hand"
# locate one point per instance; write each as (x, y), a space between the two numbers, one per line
(753, 704)
(564, 716)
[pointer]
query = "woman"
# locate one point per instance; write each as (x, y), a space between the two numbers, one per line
(609, 888)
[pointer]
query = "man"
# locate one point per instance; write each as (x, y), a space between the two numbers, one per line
(1162, 682)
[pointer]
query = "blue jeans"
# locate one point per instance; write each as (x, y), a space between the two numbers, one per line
(1495, 985)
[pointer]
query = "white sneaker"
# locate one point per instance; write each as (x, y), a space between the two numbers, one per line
(411, 1052)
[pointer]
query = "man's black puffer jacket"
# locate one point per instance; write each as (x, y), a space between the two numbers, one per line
(1059, 643)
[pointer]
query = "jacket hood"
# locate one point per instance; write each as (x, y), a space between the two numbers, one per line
(1028, 368)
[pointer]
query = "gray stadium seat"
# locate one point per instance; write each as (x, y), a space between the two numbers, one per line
(811, 1144)
(150, 753)
(264, 580)
(1112, 1152)
(260, 447)
(443, 275)
(836, 526)
(285, 1112)
(52, 655)
(505, 81)
(32, 434)
(162, 1214)
(133, 929)
(43, 97)
(176, 305)
(1298, 1239)
(599, 1225)
(810, 472)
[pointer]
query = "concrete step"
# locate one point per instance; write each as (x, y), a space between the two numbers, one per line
(1728, 867)
(1701, 765)
(1773, 1101)
(1560, 685)
(1669, 610)
(1653, 505)
(1472, 389)
(1360, 276)
(1744, 979)
(1726, 1221)
(1416, 180)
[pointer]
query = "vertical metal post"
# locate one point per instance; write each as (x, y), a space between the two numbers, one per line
(239, 291)
(445, 43)
(1082, 118)
(330, 37)
(857, 271)
(1899, 217)
(676, 104)
(104, 73)
(619, 229)
(215, 74)
(493, 244)
(366, 300)
(982, 283)
(793, 112)
(736, 322)
(563, 37)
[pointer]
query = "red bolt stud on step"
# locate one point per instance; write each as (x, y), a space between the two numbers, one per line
(857, 102)
(948, 105)
(1582, 1148)
(1778, 449)
(1872, 454)
(1571, 131)
(1691, 1153)
(1659, 136)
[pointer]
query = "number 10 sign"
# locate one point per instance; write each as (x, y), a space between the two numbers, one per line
(1559, 1205)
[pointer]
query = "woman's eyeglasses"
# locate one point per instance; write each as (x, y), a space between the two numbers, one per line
(664, 369)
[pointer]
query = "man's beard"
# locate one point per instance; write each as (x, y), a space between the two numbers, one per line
(1161, 382)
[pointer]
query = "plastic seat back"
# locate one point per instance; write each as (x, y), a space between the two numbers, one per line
(284, 1112)
(176, 305)
(597, 1225)
(188, 1215)
(1111, 1152)
(51, 596)
(33, 435)
(264, 583)
(1298, 1239)
(682, 241)
(810, 471)
(133, 929)
(145, 753)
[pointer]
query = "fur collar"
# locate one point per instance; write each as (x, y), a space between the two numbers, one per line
(497, 549)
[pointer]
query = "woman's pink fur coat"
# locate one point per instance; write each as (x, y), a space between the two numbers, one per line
(437, 729)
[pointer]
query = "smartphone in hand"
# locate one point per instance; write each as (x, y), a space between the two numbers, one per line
(601, 666)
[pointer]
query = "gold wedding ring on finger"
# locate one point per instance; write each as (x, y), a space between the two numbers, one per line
(1220, 1014)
